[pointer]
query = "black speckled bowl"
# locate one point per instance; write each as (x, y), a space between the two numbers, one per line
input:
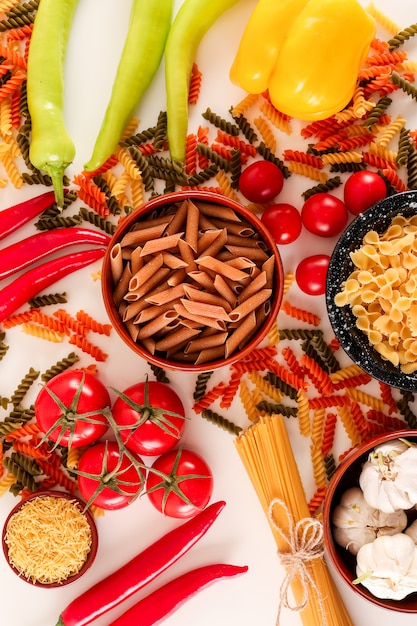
(352, 340)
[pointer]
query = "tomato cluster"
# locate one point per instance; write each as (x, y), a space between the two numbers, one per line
(74, 410)
(322, 214)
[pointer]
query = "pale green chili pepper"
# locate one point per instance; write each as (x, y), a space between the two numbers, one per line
(149, 24)
(193, 20)
(51, 147)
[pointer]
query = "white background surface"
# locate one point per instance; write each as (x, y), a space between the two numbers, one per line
(241, 534)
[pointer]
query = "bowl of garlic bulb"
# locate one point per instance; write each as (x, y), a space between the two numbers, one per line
(370, 520)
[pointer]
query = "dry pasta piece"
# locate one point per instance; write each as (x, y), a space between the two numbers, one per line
(87, 346)
(300, 314)
(42, 332)
(303, 169)
(210, 397)
(247, 401)
(303, 413)
(318, 376)
(386, 22)
(319, 468)
(231, 390)
(349, 425)
(91, 324)
(329, 430)
(267, 133)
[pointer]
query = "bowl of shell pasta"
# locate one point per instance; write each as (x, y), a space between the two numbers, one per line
(192, 280)
(371, 291)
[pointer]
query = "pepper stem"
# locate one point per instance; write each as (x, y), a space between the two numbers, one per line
(56, 172)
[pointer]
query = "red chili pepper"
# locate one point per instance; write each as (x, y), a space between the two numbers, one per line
(164, 601)
(29, 284)
(139, 571)
(25, 252)
(19, 214)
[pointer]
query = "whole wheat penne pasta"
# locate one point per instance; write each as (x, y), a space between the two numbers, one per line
(160, 244)
(202, 279)
(145, 272)
(192, 225)
(116, 263)
(255, 254)
(149, 344)
(151, 312)
(206, 224)
(258, 283)
(200, 319)
(208, 237)
(244, 230)
(205, 309)
(178, 219)
(157, 324)
(216, 245)
(153, 220)
(202, 343)
(250, 304)
(159, 276)
(241, 263)
(241, 334)
(268, 267)
(239, 240)
(177, 277)
(176, 339)
(136, 260)
(187, 255)
(123, 285)
(210, 354)
(139, 236)
(132, 329)
(193, 293)
(173, 261)
(224, 290)
(215, 210)
(219, 267)
(167, 295)
(135, 307)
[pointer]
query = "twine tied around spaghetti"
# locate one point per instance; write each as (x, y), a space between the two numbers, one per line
(305, 544)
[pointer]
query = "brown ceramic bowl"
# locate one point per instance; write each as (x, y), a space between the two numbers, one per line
(91, 523)
(156, 207)
(346, 476)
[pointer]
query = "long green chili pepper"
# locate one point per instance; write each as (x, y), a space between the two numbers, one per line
(51, 148)
(149, 24)
(193, 20)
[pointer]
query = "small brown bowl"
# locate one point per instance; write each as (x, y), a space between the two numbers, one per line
(345, 477)
(91, 523)
(156, 207)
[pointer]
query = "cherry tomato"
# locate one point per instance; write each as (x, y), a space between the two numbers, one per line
(283, 222)
(362, 189)
(107, 479)
(311, 273)
(67, 408)
(156, 416)
(187, 486)
(324, 215)
(261, 181)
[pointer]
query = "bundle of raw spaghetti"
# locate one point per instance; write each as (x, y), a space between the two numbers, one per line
(266, 453)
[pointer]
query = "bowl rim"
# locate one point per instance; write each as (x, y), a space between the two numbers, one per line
(355, 457)
(156, 203)
(94, 536)
(352, 340)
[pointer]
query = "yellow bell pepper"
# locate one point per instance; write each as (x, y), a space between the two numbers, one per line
(316, 71)
(261, 43)
(306, 53)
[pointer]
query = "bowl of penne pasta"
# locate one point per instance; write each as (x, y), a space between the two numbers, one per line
(371, 291)
(192, 280)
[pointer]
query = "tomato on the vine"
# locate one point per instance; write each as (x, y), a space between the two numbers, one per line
(311, 273)
(324, 215)
(108, 478)
(179, 483)
(283, 222)
(261, 181)
(150, 417)
(362, 189)
(69, 408)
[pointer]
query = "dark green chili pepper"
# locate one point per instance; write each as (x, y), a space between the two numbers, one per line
(149, 24)
(193, 20)
(51, 148)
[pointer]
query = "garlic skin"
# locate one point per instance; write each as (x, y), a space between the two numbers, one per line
(389, 477)
(355, 523)
(411, 531)
(387, 567)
